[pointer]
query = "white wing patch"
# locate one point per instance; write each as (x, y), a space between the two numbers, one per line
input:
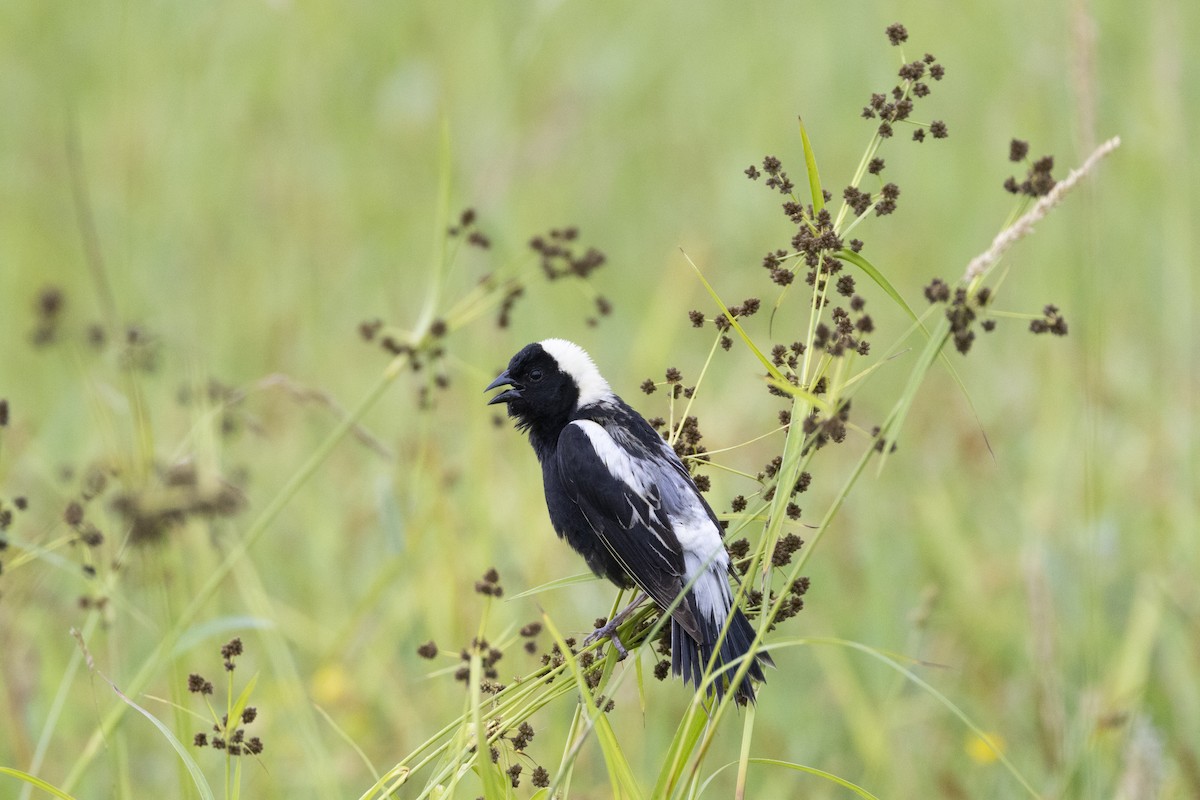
(574, 360)
(631, 472)
(695, 531)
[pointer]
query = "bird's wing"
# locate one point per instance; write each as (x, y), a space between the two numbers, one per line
(621, 496)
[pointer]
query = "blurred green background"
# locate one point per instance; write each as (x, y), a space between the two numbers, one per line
(262, 176)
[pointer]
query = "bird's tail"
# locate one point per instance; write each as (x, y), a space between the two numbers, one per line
(690, 657)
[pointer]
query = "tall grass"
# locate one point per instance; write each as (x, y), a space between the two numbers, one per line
(249, 185)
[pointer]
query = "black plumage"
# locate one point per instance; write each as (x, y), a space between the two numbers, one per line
(623, 500)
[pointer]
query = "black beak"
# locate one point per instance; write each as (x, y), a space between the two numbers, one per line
(503, 379)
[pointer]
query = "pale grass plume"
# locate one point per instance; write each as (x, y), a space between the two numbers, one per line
(1024, 226)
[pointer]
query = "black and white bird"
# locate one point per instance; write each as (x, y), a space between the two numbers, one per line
(623, 500)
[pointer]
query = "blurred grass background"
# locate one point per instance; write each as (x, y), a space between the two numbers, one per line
(263, 176)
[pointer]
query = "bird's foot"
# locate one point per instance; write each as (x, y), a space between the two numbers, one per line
(608, 631)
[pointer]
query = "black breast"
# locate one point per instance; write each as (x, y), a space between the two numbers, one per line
(570, 523)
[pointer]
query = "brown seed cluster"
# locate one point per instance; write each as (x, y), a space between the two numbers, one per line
(48, 307)
(489, 584)
(8, 514)
(1051, 322)
(489, 656)
(469, 231)
(1038, 180)
(176, 494)
(560, 256)
(963, 308)
(529, 633)
(140, 349)
(784, 549)
(897, 104)
(227, 735)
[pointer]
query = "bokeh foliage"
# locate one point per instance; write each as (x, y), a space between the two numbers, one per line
(264, 176)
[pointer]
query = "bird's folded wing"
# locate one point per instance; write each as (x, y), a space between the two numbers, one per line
(619, 496)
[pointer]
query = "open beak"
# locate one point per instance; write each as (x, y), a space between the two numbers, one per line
(503, 379)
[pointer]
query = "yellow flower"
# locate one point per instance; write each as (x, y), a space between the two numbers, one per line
(330, 685)
(984, 749)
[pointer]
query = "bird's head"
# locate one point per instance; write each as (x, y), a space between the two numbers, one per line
(549, 381)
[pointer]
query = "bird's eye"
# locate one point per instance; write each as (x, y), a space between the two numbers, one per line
(535, 375)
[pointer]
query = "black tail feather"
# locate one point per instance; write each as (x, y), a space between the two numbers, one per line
(689, 658)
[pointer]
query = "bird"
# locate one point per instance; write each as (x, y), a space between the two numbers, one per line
(622, 499)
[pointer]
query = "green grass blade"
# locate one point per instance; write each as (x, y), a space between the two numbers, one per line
(620, 774)
(345, 737)
(36, 782)
(803, 394)
(766, 362)
(561, 583)
(858, 260)
(820, 773)
(192, 767)
(744, 754)
(216, 577)
(218, 627)
(683, 743)
(912, 677)
(489, 773)
(243, 698)
(810, 162)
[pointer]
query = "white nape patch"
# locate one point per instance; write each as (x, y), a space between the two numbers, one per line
(574, 360)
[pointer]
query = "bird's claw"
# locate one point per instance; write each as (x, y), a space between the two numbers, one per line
(608, 631)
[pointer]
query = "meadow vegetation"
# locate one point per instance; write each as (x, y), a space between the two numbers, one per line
(262, 537)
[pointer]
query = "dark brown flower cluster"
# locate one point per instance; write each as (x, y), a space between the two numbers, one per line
(848, 329)
(897, 104)
(688, 436)
(821, 429)
(519, 741)
(555, 657)
(963, 308)
(427, 355)
(793, 604)
(814, 241)
(529, 634)
(488, 657)
(860, 202)
(784, 548)
(88, 535)
(467, 228)
(9, 510)
(425, 350)
(560, 259)
(674, 380)
(489, 585)
(1051, 322)
(690, 451)
(227, 735)
(174, 495)
(747, 308)
(767, 479)
(1038, 181)
(141, 349)
(48, 308)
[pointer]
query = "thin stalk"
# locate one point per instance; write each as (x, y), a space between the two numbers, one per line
(162, 650)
